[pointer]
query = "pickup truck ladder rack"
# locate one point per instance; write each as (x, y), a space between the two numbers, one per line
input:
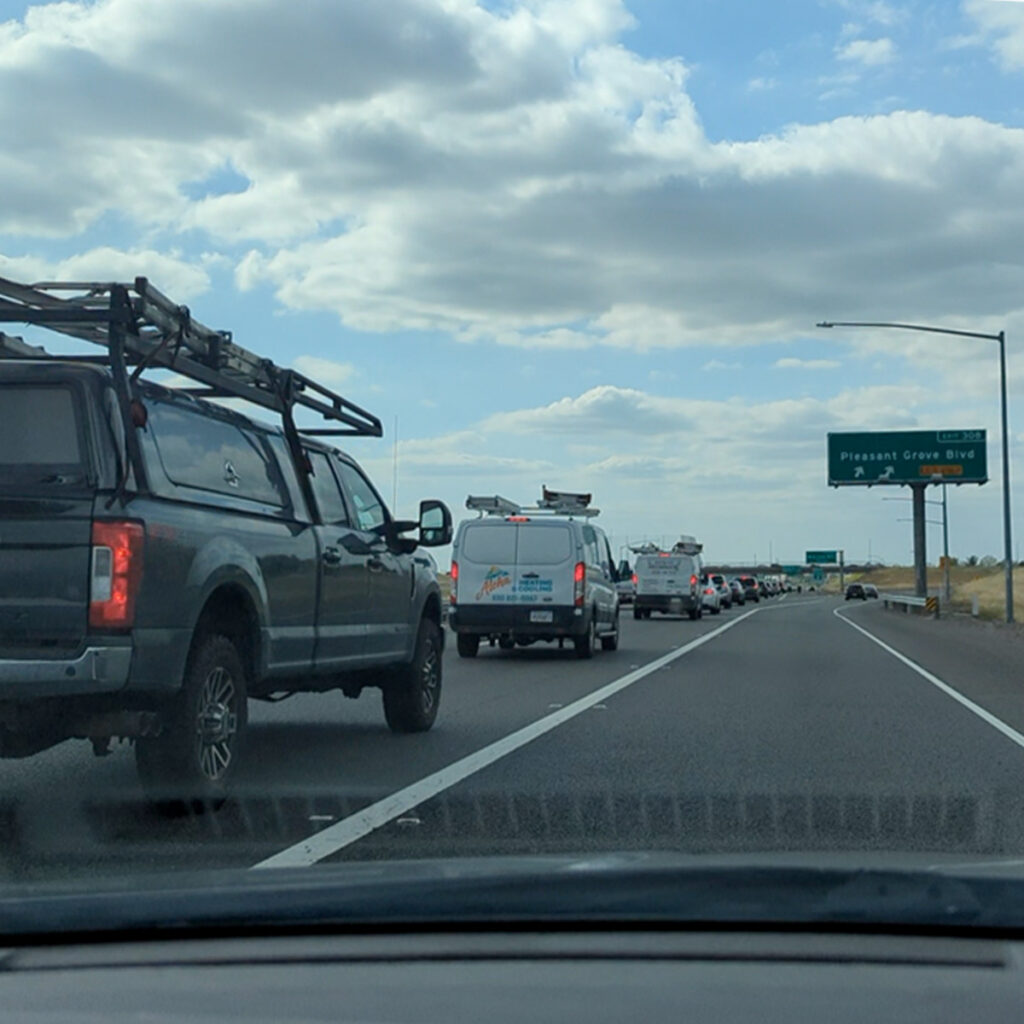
(143, 328)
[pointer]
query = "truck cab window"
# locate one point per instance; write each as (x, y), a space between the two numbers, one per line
(368, 510)
(326, 491)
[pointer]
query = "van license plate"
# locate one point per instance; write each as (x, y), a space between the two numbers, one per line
(542, 617)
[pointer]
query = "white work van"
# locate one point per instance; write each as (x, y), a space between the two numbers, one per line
(526, 575)
(668, 581)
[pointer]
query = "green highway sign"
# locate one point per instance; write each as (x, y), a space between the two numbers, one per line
(818, 574)
(822, 557)
(792, 570)
(907, 457)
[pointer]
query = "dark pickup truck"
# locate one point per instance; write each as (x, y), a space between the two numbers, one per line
(164, 559)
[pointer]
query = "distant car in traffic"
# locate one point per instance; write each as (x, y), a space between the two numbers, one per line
(870, 590)
(751, 588)
(739, 595)
(625, 583)
(710, 599)
(724, 591)
(855, 591)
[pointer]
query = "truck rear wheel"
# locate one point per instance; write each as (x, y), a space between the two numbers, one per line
(189, 765)
(412, 696)
(467, 644)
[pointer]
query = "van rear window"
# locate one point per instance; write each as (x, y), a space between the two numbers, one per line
(39, 427)
(490, 545)
(544, 545)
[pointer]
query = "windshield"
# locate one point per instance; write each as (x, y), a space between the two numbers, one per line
(472, 310)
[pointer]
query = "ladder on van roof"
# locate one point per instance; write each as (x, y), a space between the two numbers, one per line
(140, 327)
(552, 503)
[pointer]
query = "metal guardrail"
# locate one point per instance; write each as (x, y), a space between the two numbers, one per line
(930, 605)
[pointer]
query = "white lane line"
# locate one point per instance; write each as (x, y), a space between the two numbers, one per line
(986, 716)
(356, 826)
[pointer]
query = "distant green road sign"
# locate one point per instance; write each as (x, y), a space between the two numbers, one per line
(819, 575)
(822, 557)
(907, 457)
(792, 570)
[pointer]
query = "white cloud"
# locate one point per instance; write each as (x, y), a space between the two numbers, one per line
(719, 364)
(791, 363)
(870, 52)
(326, 371)
(172, 273)
(762, 84)
(1003, 24)
(876, 11)
(524, 179)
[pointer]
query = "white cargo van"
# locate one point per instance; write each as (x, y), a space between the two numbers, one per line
(668, 581)
(525, 575)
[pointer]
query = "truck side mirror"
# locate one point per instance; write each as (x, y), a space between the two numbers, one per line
(435, 524)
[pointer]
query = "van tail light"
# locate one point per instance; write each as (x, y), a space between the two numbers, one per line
(455, 583)
(693, 581)
(579, 584)
(635, 579)
(115, 573)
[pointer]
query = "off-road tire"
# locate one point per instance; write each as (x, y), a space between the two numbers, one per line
(190, 764)
(413, 694)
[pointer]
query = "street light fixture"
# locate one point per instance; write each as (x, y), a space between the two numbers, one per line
(1001, 339)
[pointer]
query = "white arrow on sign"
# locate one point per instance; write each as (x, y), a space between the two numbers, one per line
(888, 473)
(858, 472)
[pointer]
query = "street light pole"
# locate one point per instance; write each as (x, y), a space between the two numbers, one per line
(1007, 541)
(1000, 338)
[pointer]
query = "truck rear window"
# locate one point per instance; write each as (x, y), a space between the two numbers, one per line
(39, 427)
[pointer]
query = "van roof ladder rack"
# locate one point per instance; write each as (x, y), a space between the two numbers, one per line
(552, 503)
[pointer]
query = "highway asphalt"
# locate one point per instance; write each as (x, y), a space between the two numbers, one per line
(777, 727)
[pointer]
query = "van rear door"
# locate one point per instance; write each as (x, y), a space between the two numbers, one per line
(510, 563)
(46, 501)
(487, 563)
(546, 560)
(661, 575)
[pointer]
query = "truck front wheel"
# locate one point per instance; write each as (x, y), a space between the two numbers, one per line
(412, 696)
(190, 763)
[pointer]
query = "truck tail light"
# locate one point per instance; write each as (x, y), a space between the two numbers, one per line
(115, 573)
(693, 581)
(635, 578)
(579, 584)
(455, 583)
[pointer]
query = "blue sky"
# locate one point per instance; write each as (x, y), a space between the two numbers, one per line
(580, 243)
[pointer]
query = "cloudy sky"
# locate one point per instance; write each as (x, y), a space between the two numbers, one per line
(580, 243)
